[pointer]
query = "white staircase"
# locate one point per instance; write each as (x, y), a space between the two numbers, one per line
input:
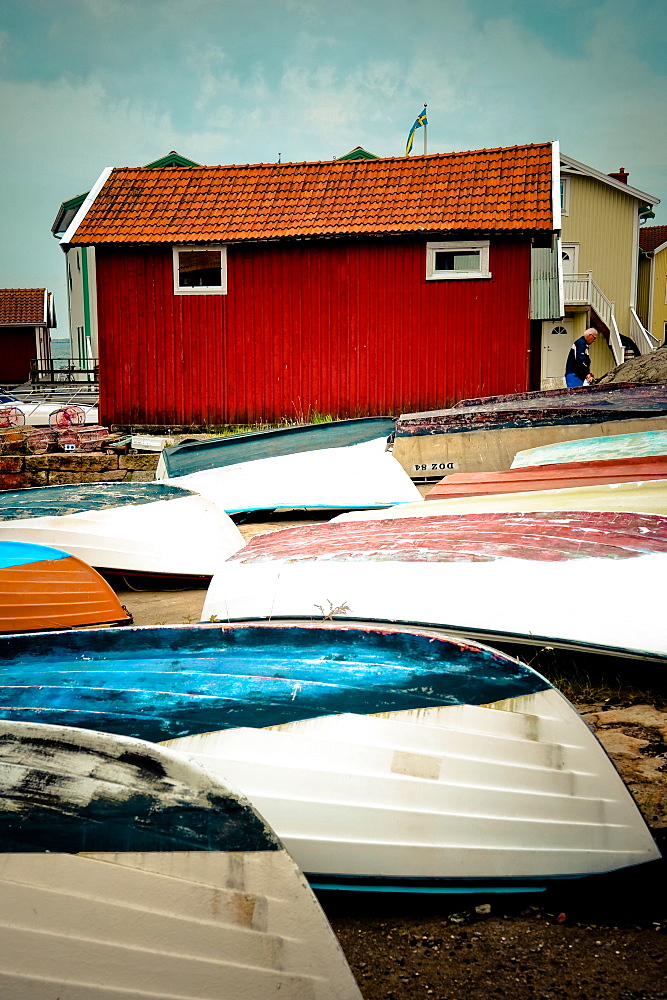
(581, 289)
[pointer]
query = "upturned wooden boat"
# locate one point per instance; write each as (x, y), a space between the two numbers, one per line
(484, 435)
(641, 444)
(128, 871)
(277, 442)
(358, 476)
(154, 529)
(648, 497)
(567, 475)
(396, 757)
(42, 588)
(495, 576)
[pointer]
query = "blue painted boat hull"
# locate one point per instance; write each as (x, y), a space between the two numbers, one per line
(59, 501)
(364, 746)
(60, 793)
(162, 682)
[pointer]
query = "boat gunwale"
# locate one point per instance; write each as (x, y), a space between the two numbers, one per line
(463, 634)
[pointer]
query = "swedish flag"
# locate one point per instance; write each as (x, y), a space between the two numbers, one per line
(419, 121)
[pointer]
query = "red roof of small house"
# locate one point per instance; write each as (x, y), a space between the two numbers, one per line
(25, 307)
(651, 237)
(489, 190)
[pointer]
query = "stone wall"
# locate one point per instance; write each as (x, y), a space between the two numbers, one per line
(19, 471)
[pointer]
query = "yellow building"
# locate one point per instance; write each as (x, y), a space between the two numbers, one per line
(599, 249)
(652, 290)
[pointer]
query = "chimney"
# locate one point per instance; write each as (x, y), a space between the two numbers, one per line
(620, 176)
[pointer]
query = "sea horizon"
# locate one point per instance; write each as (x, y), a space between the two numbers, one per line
(60, 348)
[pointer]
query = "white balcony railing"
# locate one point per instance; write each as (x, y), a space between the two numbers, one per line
(580, 289)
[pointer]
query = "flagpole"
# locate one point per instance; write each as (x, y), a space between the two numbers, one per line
(425, 131)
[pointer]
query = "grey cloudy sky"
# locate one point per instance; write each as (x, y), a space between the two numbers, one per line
(86, 84)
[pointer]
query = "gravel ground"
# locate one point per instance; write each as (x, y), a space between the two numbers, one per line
(599, 939)
(594, 948)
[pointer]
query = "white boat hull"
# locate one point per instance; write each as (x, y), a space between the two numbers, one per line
(361, 475)
(196, 926)
(516, 792)
(187, 536)
(503, 597)
(221, 911)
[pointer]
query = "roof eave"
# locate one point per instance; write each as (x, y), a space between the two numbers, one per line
(37, 324)
(570, 165)
(68, 236)
(227, 239)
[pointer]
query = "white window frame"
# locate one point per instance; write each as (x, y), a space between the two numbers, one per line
(565, 195)
(480, 245)
(220, 289)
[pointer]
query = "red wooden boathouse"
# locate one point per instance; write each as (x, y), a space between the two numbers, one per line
(351, 287)
(27, 316)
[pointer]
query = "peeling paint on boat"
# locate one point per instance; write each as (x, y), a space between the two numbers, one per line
(126, 869)
(483, 435)
(540, 535)
(58, 501)
(543, 408)
(514, 575)
(166, 681)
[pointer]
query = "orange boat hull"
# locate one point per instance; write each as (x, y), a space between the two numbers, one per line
(550, 477)
(56, 594)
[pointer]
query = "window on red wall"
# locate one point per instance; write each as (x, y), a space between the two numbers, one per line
(457, 259)
(200, 270)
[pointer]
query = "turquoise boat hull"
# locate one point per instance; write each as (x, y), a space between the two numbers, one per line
(232, 449)
(157, 683)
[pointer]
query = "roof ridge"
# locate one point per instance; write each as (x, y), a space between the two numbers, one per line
(401, 158)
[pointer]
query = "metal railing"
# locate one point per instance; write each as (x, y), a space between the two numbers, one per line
(59, 370)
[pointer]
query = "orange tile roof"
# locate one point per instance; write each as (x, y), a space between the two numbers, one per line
(23, 307)
(651, 237)
(501, 190)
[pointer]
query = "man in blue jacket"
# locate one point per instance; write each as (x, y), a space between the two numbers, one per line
(578, 365)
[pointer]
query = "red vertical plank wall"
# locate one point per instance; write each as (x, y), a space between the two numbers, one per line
(17, 349)
(339, 327)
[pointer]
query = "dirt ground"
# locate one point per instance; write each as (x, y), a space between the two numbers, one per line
(599, 939)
